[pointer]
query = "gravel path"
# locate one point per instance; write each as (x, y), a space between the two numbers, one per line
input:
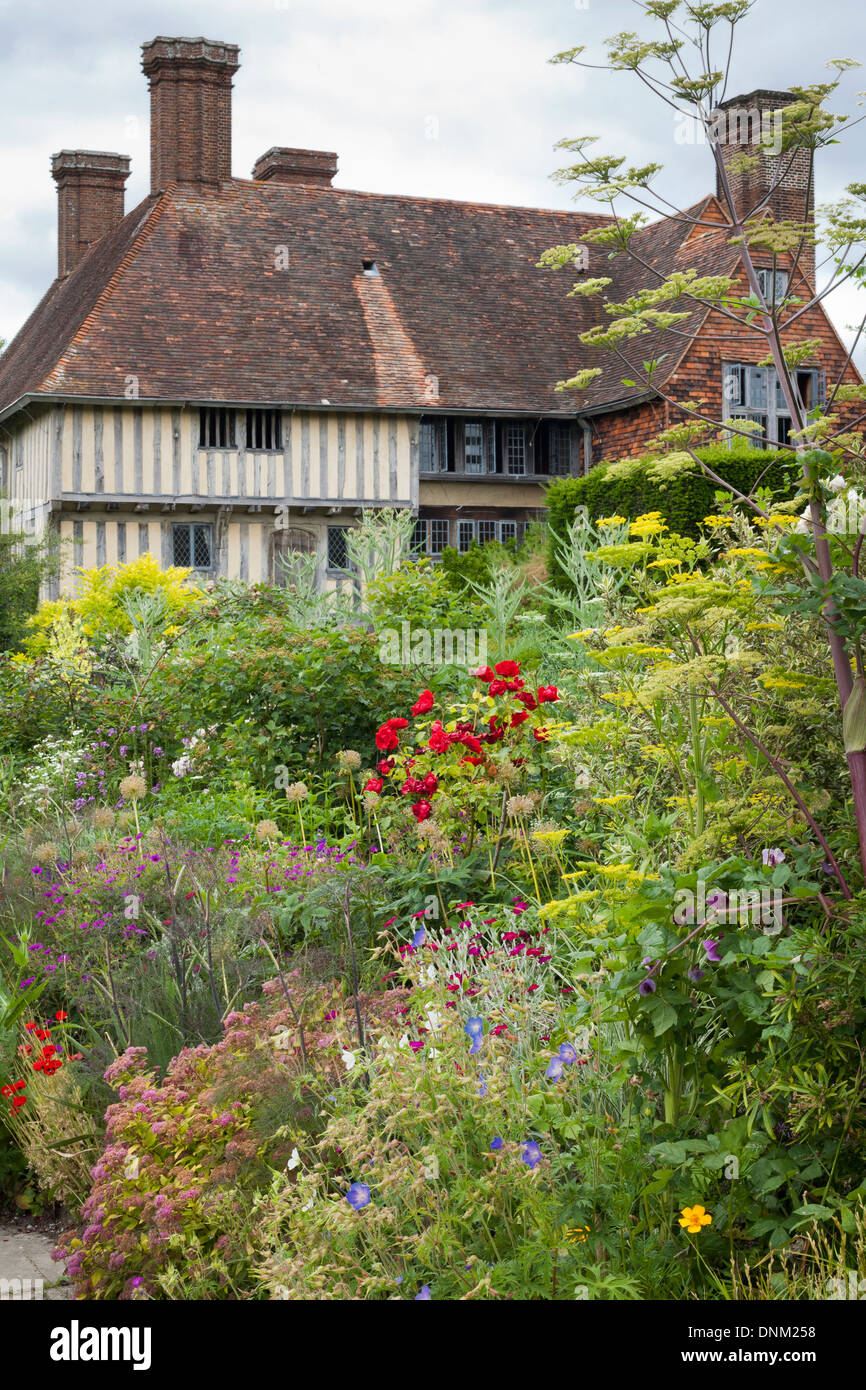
(27, 1255)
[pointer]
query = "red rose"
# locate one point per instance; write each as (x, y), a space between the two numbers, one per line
(483, 673)
(471, 742)
(412, 787)
(386, 739)
(473, 761)
(508, 668)
(518, 717)
(541, 734)
(431, 782)
(374, 784)
(526, 698)
(421, 810)
(438, 739)
(547, 693)
(497, 687)
(424, 703)
(385, 766)
(397, 723)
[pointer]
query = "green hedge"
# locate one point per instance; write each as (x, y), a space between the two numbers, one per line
(683, 502)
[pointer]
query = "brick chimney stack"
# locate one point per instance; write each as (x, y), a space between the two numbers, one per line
(281, 165)
(190, 110)
(90, 192)
(751, 125)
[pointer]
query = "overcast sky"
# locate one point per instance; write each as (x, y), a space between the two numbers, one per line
(440, 98)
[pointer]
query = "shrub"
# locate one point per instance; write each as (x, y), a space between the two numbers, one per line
(628, 489)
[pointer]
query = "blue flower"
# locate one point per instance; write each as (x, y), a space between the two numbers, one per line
(568, 1054)
(425, 1295)
(555, 1069)
(482, 1089)
(531, 1153)
(358, 1195)
(496, 1143)
(474, 1027)
(420, 936)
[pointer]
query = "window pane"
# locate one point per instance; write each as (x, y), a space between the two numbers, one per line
(465, 535)
(182, 555)
(338, 555)
(509, 530)
(438, 536)
(419, 536)
(473, 446)
(431, 446)
(559, 449)
(486, 531)
(202, 547)
(515, 450)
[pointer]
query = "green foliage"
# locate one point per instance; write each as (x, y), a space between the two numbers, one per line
(683, 501)
(25, 564)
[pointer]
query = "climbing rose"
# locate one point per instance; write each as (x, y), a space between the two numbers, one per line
(374, 784)
(421, 810)
(424, 703)
(484, 674)
(547, 693)
(508, 668)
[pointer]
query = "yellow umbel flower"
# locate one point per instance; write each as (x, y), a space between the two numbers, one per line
(694, 1218)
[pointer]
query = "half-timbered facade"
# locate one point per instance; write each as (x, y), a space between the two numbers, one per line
(238, 367)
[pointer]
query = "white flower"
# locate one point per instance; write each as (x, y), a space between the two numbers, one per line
(434, 1020)
(308, 1206)
(182, 766)
(837, 484)
(349, 1058)
(294, 1161)
(431, 1168)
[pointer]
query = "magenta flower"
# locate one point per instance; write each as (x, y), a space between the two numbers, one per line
(711, 948)
(647, 986)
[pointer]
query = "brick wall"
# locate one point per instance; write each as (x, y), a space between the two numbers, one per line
(190, 110)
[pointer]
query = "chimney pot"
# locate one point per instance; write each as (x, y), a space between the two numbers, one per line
(190, 109)
(90, 194)
(281, 165)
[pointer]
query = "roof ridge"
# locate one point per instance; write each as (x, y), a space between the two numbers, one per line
(150, 219)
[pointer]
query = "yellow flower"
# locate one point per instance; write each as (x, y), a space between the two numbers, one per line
(693, 1218)
(611, 521)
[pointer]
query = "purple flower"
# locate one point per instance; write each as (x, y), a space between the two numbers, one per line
(482, 1089)
(358, 1195)
(530, 1153)
(568, 1053)
(425, 1295)
(696, 973)
(647, 986)
(555, 1068)
(474, 1027)
(496, 1143)
(772, 857)
(711, 948)
(420, 936)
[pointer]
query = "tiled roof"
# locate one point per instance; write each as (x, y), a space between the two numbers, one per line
(255, 292)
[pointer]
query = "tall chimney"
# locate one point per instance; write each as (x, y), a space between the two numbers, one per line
(752, 126)
(281, 165)
(90, 190)
(190, 110)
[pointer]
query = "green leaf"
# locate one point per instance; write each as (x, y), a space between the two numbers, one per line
(664, 1018)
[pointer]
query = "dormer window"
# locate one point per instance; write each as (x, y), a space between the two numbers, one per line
(370, 267)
